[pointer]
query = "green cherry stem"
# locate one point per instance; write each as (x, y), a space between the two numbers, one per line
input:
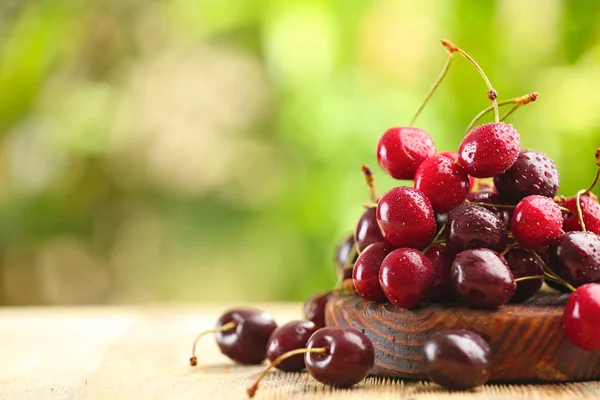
(435, 239)
(434, 87)
(579, 211)
(492, 94)
(517, 101)
(549, 274)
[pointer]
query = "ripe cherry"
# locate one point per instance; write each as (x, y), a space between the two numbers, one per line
(457, 359)
(242, 335)
(486, 195)
(401, 150)
(441, 258)
(443, 182)
(590, 211)
(334, 356)
(314, 308)
(343, 252)
(482, 278)
(470, 226)
(533, 173)
(406, 277)
(575, 257)
(522, 263)
(406, 218)
(367, 230)
(489, 150)
(581, 317)
(290, 336)
(366, 271)
(536, 221)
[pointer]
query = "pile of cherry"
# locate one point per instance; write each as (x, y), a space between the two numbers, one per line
(482, 226)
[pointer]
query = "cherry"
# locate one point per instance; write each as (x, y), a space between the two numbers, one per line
(366, 271)
(581, 317)
(590, 212)
(406, 218)
(536, 221)
(334, 356)
(367, 230)
(401, 150)
(482, 278)
(457, 359)
(575, 257)
(406, 277)
(242, 335)
(486, 195)
(533, 173)
(343, 252)
(441, 258)
(489, 150)
(290, 336)
(470, 226)
(522, 264)
(314, 308)
(452, 155)
(443, 182)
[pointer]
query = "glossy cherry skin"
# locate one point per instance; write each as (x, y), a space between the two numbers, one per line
(590, 210)
(581, 317)
(343, 251)
(482, 278)
(401, 150)
(406, 277)
(536, 221)
(291, 336)
(470, 226)
(349, 358)
(441, 258)
(490, 149)
(443, 182)
(487, 196)
(457, 359)
(532, 173)
(247, 342)
(314, 308)
(523, 263)
(575, 257)
(366, 271)
(406, 218)
(367, 230)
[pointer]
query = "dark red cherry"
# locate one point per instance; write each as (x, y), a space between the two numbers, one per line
(482, 278)
(590, 210)
(536, 221)
(489, 150)
(441, 258)
(532, 173)
(487, 196)
(470, 226)
(443, 182)
(575, 257)
(242, 335)
(367, 230)
(406, 218)
(343, 251)
(406, 277)
(581, 317)
(366, 271)
(401, 150)
(522, 263)
(314, 308)
(290, 336)
(457, 359)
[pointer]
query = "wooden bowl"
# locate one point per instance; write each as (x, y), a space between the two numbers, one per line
(527, 340)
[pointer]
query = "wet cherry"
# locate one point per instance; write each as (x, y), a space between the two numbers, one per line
(536, 221)
(581, 317)
(366, 271)
(367, 230)
(470, 226)
(401, 150)
(487, 196)
(575, 257)
(522, 263)
(290, 336)
(441, 258)
(590, 211)
(314, 308)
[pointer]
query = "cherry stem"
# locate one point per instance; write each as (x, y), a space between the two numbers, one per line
(549, 274)
(589, 189)
(529, 278)
(223, 328)
(492, 94)
(370, 179)
(437, 236)
(579, 212)
(517, 101)
(433, 88)
(507, 249)
(254, 387)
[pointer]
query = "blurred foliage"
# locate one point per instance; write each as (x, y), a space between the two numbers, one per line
(211, 149)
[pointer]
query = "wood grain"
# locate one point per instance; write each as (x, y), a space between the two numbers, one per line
(527, 340)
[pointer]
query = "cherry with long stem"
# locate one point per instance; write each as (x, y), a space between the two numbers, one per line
(586, 191)
(517, 101)
(228, 326)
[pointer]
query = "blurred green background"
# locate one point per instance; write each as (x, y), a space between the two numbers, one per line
(198, 150)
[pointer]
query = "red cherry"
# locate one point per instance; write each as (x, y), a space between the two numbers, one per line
(581, 318)
(443, 182)
(489, 150)
(406, 276)
(401, 150)
(367, 231)
(590, 211)
(406, 218)
(537, 220)
(365, 275)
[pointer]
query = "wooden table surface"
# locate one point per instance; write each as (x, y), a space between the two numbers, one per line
(142, 353)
